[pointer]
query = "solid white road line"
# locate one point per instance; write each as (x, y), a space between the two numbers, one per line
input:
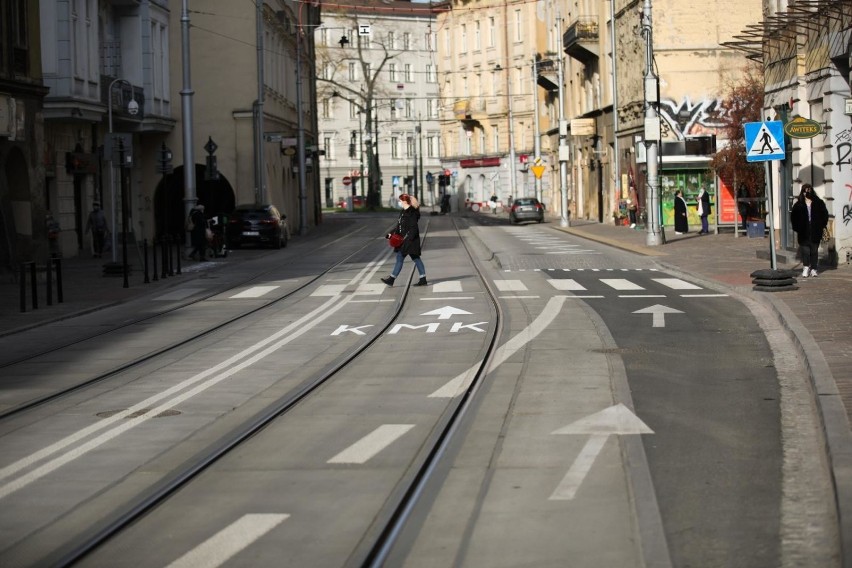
(329, 290)
(122, 421)
(460, 383)
(223, 545)
(371, 444)
(255, 292)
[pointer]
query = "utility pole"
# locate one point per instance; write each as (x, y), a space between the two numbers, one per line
(259, 189)
(186, 92)
(300, 125)
(536, 127)
(654, 236)
(616, 148)
(564, 151)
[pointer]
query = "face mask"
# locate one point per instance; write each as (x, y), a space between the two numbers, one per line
(402, 204)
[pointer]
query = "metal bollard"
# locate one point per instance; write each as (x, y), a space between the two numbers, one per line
(154, 258)
(146, 280)
(33, 284)
(164, 252)
(171, 261)
(178, 253)
(48, 278)
(58, 265)
(23, 282)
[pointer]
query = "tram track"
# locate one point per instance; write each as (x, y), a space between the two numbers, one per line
(382, 535)
(16, 410)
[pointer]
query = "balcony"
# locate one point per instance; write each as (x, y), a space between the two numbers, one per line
(580, 40)
(546, 75)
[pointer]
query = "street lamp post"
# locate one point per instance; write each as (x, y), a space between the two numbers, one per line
(132, 108)
(512, 175)
(654, 235)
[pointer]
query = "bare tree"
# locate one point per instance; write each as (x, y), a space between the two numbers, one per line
(742, 102)
(370, 55)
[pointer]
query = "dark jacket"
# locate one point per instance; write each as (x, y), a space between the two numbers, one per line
(407, 227)
(198, 234)
(681, 223)
(809, 230)
(705, 204)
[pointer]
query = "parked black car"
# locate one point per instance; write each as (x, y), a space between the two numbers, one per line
(257, 224)
(526, 209)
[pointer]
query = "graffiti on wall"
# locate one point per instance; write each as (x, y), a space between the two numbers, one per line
(847, 209)
(843, 146)
(685, 118)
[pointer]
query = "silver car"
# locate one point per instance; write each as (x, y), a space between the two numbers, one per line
(526, 209)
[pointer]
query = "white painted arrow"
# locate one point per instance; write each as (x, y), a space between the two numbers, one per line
(618, 420)
(659, 312)
(446, 312)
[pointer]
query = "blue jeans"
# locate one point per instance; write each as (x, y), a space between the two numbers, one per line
(705, 227)
(397, 267)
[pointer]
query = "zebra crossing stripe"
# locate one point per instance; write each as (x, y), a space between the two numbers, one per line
(621, 284)
(254, 292)
(510, 286)
(566, 284)
(676, 284)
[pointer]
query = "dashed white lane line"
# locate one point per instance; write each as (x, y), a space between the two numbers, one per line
(371, 444)
(255, 292)
(329, 290)
(223, 545)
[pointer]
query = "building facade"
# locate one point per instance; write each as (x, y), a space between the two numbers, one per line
(23, 203)
(377, 83)
(806, 51)
(597, 49)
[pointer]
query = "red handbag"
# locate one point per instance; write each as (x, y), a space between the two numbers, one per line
(395, 240)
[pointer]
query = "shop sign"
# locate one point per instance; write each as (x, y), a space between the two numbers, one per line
(583, 127)
(479, 162)
(801, 127)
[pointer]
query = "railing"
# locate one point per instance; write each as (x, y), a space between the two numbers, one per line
(583, 29)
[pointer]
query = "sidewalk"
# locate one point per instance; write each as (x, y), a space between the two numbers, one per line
(818, 315)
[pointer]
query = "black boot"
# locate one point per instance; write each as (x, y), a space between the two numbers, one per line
(389, 280)
(421, 282)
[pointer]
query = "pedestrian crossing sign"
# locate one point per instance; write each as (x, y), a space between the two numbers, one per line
(764, 141)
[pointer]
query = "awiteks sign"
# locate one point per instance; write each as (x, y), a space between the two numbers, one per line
(801, 127)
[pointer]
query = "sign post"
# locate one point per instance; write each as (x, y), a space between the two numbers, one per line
(765, 143)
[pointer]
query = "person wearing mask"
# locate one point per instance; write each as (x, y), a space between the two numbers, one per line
(406, 226)
(197, 225)
(809, 219)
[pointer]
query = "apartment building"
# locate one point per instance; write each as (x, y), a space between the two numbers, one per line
(377, 84)
(23, 233)
(805, 47)
(605, 150)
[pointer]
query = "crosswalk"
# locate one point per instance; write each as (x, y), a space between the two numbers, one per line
(637, 284)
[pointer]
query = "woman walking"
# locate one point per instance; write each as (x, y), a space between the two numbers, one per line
(809, 218)
(406, 226)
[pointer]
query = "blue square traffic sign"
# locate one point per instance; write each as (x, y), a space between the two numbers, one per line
(764, 141)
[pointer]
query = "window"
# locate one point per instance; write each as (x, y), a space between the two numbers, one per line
(391, 40)
(394, 147)
(431, 75)
(409, 108)
(406, 41)
(518, 28)
(327, 147)
(431, 146)
(326, 108)
(323, 37)
(492, 32)
(353, 71)
(432, 108)
(392, 72)
(431, 41)
(410, 148)
(353, 110)
(477, 42)
(409, 73)
(448, 43)
(482, 141)
(495, 138)
(368, 70)
(463, 42)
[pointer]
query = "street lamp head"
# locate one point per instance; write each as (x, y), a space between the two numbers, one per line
(133, 107)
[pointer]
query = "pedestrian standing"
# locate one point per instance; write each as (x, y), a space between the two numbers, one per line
(809, 219)
(53, 230)
(98, 226)
(406, 226)
(742, 204)
(632, 205)
(494, 203)
(681, 223)
(197, 225)
(704, 211)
